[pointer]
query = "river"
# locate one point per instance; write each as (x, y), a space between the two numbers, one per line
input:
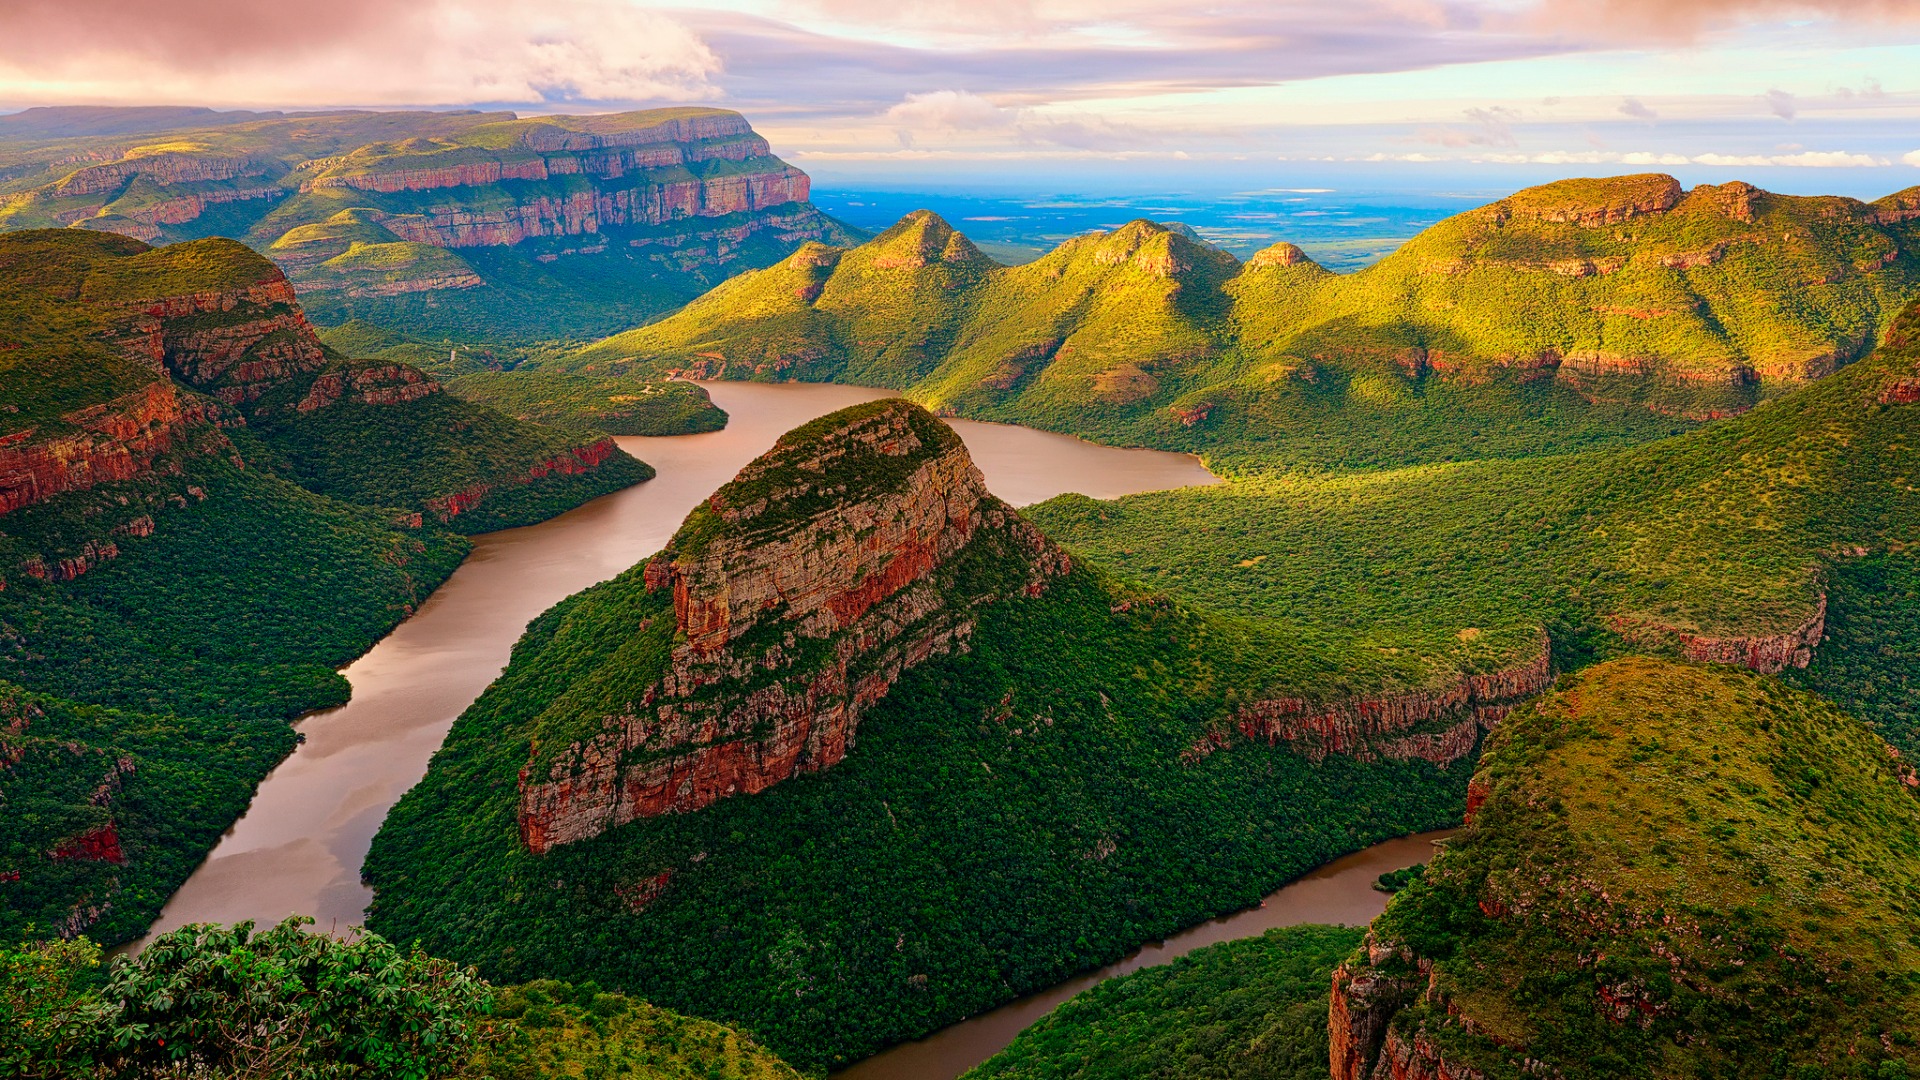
(1340, 892)
(299, 846)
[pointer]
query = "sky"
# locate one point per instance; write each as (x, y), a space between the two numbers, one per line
(1822, 95)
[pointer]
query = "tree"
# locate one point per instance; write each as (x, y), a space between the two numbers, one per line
(288, 1004)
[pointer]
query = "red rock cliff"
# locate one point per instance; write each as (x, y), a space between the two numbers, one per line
(1439, 724)
(115, 440)
(806, 570)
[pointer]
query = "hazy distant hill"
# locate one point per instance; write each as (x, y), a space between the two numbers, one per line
(1579, 312)
(462, 224)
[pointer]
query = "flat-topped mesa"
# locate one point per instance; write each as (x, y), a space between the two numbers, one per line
(798, 594)
(1591, 203)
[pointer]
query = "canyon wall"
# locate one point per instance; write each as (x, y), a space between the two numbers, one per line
(799, 593)
(1441, 724)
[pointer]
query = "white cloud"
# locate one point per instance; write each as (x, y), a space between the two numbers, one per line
(1911, 158)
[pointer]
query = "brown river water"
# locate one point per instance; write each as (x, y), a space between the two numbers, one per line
(1341, 892)
(300, 844)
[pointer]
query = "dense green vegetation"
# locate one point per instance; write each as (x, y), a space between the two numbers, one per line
(1552, 321)
(152, 792)
(1408, 576)
(618, 405)
(418, 454)
(231, 1002)
(1009, 816)
(1869, 663)
(332, 198)
(1253, 1009)
(210, 593)
(1726, 864)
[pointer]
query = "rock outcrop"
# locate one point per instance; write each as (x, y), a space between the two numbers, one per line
(793, 599)
(1766, 653)
(1440, 724)
(115, 440)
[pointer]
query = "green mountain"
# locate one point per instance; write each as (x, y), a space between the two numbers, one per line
(203, 514)
(1251, 1009)
(1582, 313)
(862, 753)
(1670, 871)
(466, 225)
(1298, 647)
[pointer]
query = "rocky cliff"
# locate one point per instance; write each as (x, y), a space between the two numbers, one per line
(649, 208)
(1440, 724)
(1629, 896)
(788, 604)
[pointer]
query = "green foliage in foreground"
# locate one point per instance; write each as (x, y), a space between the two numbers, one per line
(1730, 865)
(207, 1000)
(1009, 817)
(614, 404)
(211, 1001)
(1253, 1009)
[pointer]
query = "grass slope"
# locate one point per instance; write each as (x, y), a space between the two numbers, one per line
(1732, 859)
(1253, 1009)
(1566, 317)
(1405, 577)
(550, 1029)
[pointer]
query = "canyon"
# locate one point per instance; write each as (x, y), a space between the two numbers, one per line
(664, 202)
(799, 593)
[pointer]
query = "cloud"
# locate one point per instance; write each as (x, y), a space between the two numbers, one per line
(1781, 104)
(959, 112)
(363, 52)
(1912, 158)
(1491, 127)
(1637, 109)
(1686, 20)
(1822, 159)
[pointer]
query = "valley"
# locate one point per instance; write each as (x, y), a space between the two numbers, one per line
(867, 721)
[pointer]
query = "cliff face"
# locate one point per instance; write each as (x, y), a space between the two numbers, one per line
(1766, 653)
(116, 440)
(1441, 724)
(792, 600)
(669, 200)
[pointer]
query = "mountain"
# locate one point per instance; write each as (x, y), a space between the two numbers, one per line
(862, 753)
(1667, 871)
(1582, 313)
(71, 121)
(465, 224)
(203, 514)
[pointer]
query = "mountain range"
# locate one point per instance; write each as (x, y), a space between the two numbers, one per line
(460, 224)
(1561, 317)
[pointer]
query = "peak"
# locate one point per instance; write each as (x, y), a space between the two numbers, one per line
(1151, 247)
(1281, 254)
(921, 238)
(1591, 202)
(860, 453)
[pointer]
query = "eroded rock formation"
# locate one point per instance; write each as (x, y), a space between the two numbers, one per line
(799, 593)
(1766, 653)
(1439, 724)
